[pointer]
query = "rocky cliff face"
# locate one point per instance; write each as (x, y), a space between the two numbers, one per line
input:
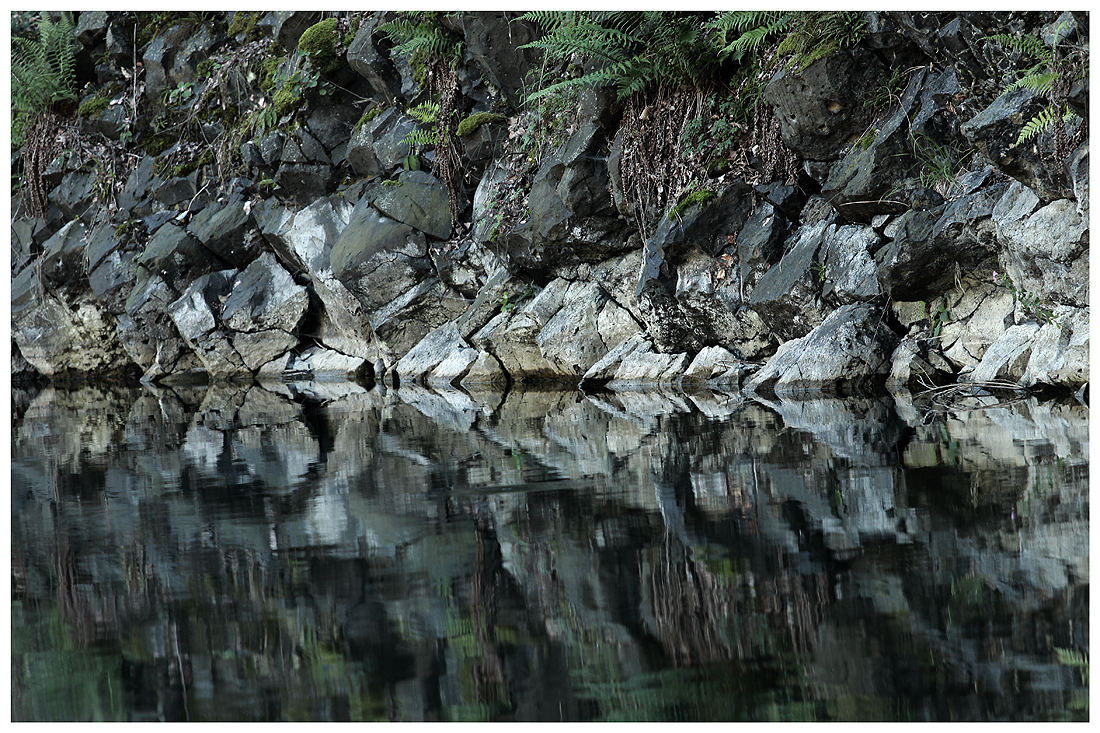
(231, 204)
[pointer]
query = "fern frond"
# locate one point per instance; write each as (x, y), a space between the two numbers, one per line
(421, 138)
(1030, 45)
(1039, 123)
(425, 112)
(1040, 84)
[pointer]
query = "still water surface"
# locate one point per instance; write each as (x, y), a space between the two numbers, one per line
(320, 551)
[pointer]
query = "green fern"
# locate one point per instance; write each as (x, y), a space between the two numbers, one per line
(421, 138)
(420, 32)
(1047, 77)
(43, 72)
(425, 113)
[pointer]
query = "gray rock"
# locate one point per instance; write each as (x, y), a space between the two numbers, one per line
(365, 58)
(851, 349)
(494, 42)
(175, 191)
(640, 368)
(177, 257)
(228, 230)
(265, 297)
(433, 349)
(484, 372)
(74, 196)
(1060, 351)
(787, 297)
(932, 249)
(851, 273)
(820, 107)
(716, 366)
(994, 131)
(304, 183)
(319, 361)
(1046, 254)
(857, 186)
(149, 335)
(71, 337)
(419, 200)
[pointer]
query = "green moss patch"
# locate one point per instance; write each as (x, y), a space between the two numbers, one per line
(469, 125)
(700, 198)
(319, 43)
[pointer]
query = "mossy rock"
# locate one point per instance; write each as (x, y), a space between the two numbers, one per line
(469, 125)
(700, 198)
(319, 44)
(244, 23)
(93, 106)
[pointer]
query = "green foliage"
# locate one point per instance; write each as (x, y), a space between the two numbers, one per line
(421, 32)
(631, 52)
(817, 34)
(1050, 76)
(469, 125)
(244, 23)
(743, 33)
(43, 73)
(1030, 302)
(940, 164)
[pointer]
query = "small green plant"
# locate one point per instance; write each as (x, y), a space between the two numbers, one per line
(1051, 76)
(1080, 660)
(1030, 302)
(818, 269)
(940, 164)
(183, 92)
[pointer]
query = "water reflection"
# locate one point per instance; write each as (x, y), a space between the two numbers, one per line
(320, 551)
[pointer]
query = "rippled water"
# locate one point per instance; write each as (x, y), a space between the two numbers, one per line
(321, 551)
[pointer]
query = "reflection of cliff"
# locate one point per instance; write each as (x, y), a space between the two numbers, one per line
(300, 553)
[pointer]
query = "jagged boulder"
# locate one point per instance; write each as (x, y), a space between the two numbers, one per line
(494, 42)
(1046, 253)
(788, 296)
(419, 200)
(852, 349)
(228, 230)
(994, 131)
(365, 57)
(821, 107)
(930, 249)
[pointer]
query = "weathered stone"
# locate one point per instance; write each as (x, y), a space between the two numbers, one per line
(494, 41)
(716, 366)
(304, 183)
(1007, 357)
(453, 367)
(1060, 351)
(994, 131)
(857, 185)
(1046, 254)
(75, 338)
(787, 296)
(365, 58)
(604, 369)
(932, 249)
(820, 107)
(419, 200)
(259, 348)
(851, 349)
(173, 254)
(175, 191)
(571, 339)
(640, 368)
(265, 297)
(429, 352)
(975, 313)
(229, 231)
(850, 271)
(485, 371)
(74, 196)
(319, 361)
(909, 370)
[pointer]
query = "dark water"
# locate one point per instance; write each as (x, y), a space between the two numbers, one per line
(324, 552)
